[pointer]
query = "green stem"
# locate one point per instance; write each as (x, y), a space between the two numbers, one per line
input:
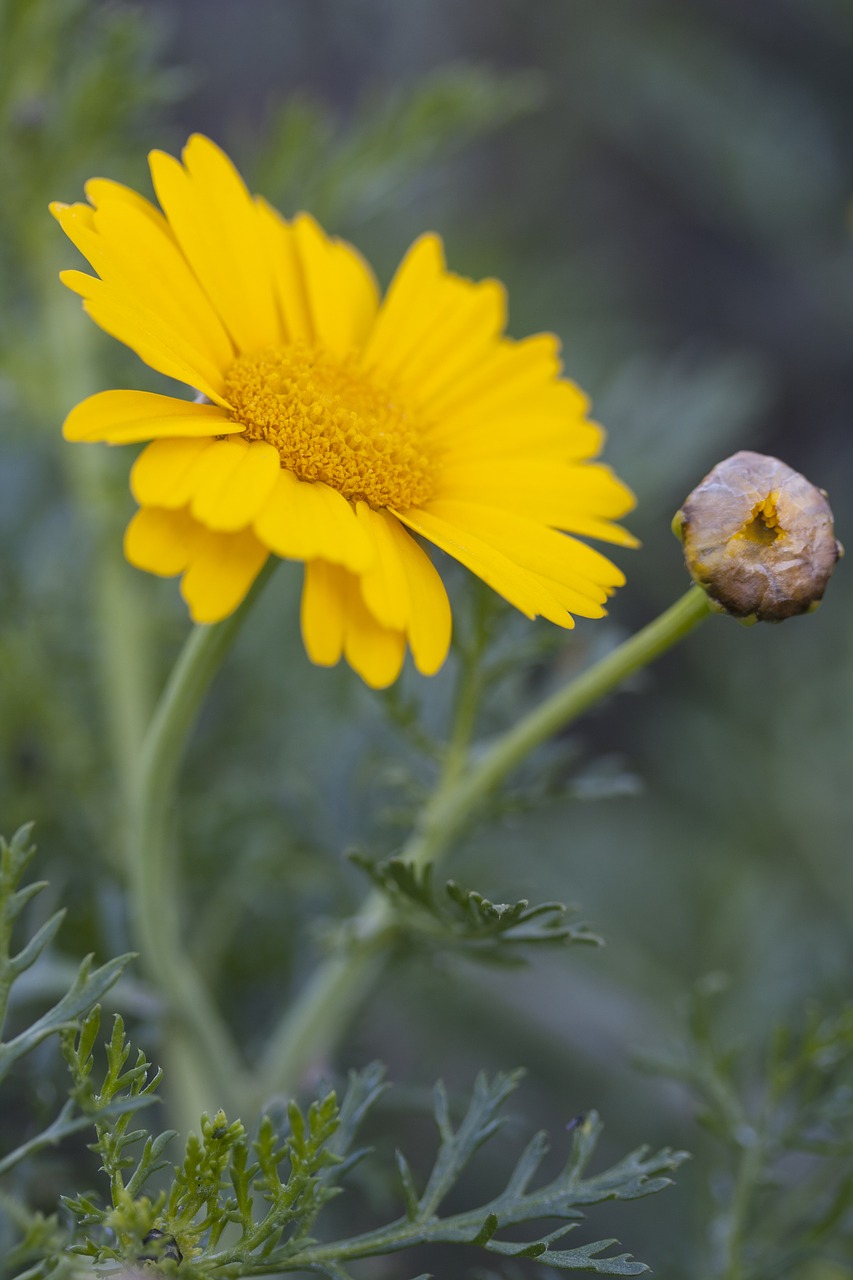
(336, 990)
(333, 996)
(209, 1067)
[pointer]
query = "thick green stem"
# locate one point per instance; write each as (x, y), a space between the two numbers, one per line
(333, 996)
(209, 1067)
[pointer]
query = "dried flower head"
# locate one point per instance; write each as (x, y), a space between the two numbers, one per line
(759, 538)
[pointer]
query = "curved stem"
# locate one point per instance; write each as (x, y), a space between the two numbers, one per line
(333, 996)
(208, 1066)
(333, 993)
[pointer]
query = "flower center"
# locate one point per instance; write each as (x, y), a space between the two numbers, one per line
(763, 525)
(330, 423)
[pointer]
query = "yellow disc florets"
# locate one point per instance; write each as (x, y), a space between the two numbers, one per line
(330, 423)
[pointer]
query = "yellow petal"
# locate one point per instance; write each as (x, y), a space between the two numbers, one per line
(553, 493)
(324, 595)
(155, 342)
(515, 367)
(581, 572)
(523, 434)
(279, 240)
(215, 222)
(211, 476)
(303, 521)
(429, 624)
(101, 191)
(384, 585)
(409, 302)
(527, 591)
(141, 260)
(249, 485)
(127, 417)
(221, 570)
(160, 475)
(160, 541)
(341, 292)
(470, 317)
(374, 651)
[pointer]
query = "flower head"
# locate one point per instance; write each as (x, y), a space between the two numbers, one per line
(331, 426)
(759, 538)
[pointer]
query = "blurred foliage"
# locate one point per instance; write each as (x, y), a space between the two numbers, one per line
(666, 185)
(781, 1189)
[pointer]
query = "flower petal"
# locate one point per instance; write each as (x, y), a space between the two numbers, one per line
(564, 496)
(410, 300)
(516, 366)
(324, 594)
(403, 590)
(160, 541)
(430, 623)
(304, 521)
(384, 585)
(526, 591)
(140, 259)
(156, 343)
(577, 575)
(161, 475)
(216, 224)
(249, 484)
(467, 320)
(128, 417)
(335, 621)
(374, 651)
(222, 568)
(341, 290)
(287, 272)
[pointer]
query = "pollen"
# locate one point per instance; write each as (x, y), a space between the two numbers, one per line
(330, 422)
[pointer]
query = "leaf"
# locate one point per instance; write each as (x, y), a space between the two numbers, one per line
(88, 987)
(638, 1174)
(457, 919)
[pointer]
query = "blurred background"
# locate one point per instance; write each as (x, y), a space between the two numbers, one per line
(665, 184)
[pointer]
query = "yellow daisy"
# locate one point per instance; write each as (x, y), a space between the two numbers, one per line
(329, 425)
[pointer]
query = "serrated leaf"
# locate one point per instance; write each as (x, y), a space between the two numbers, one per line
(463, 920)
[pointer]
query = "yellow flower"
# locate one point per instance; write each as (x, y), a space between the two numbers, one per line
(330, 426)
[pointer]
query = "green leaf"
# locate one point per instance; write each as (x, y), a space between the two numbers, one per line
(462, 920)
(88, 987)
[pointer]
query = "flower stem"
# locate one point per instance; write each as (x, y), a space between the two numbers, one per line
(333, 996)
(207, 1064)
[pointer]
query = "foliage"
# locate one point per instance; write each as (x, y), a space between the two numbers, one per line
(392, 139)
(62, 1018)
(241, 1207)
(782, 1191)
(454, 919)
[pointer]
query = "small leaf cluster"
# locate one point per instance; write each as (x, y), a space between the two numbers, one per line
(111, 1107)
(454, 919)
(232, 1203)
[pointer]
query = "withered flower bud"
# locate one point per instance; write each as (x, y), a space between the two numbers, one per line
(759, 538)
